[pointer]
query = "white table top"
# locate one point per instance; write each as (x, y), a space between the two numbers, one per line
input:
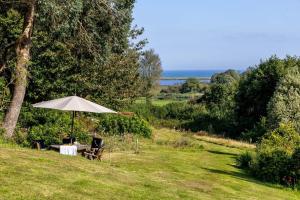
(68, 150)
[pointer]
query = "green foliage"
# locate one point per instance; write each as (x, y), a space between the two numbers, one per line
(191, 85)
(10, 27)
(82, 47)
(276, 157)
(120, 125)
(284, 105)
(51, 126)
(180, 111)
(284, 138)
(171, 89)
(225, 77)
(90, 38)
(172, 115)
(150, 70)
(4, 94)
(220, 100)
(212, 123)
(244, 160)
(255, 134)
(272, 166)
(295, 164)
(256, 89)
(52, 134)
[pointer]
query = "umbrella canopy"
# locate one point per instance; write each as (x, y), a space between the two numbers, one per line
(73, 103)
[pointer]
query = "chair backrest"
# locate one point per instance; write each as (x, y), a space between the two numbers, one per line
(97, 143)
(39, 144)
(69, 140)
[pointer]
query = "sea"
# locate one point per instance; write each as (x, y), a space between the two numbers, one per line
(169, 74)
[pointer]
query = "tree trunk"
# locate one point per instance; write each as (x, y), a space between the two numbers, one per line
(20, 83)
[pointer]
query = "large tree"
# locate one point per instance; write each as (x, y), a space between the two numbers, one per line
(256, 89)
(22, 47)
(220, 100)
(150, 69)
(284, 106)
(222, 90)
(63, 47)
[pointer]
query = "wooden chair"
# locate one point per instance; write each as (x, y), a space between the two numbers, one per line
(69, 140)
(96, 151)
(39, 144)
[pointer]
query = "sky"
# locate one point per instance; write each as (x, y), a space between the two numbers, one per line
(219, 34)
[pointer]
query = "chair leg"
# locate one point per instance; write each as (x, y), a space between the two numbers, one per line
(38, 145)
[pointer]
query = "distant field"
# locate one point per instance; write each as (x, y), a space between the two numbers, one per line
(172, 99)
(162, 170)
(158, 102)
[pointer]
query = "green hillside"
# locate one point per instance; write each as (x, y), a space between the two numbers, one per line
(169, 166)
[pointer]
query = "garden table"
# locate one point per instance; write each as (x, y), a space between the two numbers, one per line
(79, 147)
(70, 150)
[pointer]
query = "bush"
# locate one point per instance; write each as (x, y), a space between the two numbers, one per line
(296, 164)
(244, 160)
(277, 157)
(284, 138)
(120, 125)
(214, 123)
(255, 134)
(272, 166)
(173, 115)
(48, 125)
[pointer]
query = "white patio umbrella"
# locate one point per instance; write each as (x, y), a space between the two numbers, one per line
(73, 103)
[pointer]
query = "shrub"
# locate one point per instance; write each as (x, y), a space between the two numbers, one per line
(48, 125)
(284, 138)
(173, 115)
(20, 137)
(182, 111)
(211, 122)
(52, 134)
(277, 156)
(295, 163)
(255, 134)
(120, 125)
(272, 166)
(244, 160)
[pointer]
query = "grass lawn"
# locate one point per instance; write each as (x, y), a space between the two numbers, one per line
(204, 170)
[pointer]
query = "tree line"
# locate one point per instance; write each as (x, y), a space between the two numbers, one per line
(51, 49)
(257, 100)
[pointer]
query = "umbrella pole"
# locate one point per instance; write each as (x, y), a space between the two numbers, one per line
(72, 128)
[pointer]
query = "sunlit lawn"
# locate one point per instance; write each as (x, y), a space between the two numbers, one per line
(159, 171)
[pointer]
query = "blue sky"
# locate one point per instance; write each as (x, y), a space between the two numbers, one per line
(219, 34)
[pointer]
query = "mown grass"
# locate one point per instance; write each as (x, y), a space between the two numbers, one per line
(161, 170)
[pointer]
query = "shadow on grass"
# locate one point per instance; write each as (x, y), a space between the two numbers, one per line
(222, 153)
(241, 176)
